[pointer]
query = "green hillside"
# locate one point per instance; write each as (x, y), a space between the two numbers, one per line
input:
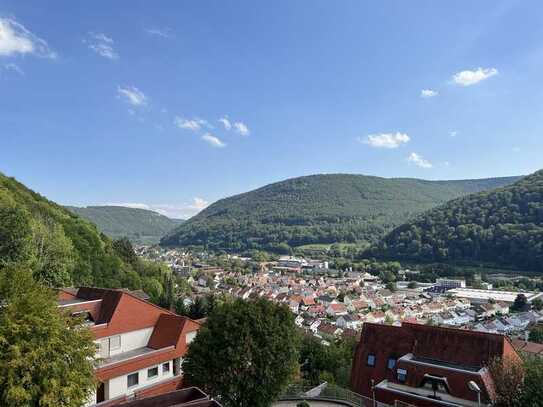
(63, 249)
(318, 209)
(504, 227)
(139, 225)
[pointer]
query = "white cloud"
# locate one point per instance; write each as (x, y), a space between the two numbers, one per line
(204, 123)
(181, 211)
(159, 32)
(102, 45)
(187, 124)
(468, 78)
(453, 133)
(213, 141)
(16, 39)
(191, 124)
(428, 93)
(241, 128)
(385, 140)
(14, 68)
(225, 122)
(419, 161)
(132, 95)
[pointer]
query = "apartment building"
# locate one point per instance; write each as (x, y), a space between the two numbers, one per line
(140, 345)
(427, 366)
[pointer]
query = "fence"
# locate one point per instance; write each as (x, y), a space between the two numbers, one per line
(329, 392)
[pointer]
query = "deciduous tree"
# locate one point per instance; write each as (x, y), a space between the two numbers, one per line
(46, 357)
(245, 354)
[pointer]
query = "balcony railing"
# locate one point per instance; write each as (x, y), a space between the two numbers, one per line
(331, 393)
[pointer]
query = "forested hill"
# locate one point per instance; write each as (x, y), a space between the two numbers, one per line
(504, 226)
(139, 225)
(318, 209)
(63, 249)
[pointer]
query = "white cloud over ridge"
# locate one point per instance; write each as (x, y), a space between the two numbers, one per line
(181, 211)
(16, 39)
(419, 161)
(428, 93)
(213, 141)
(469, 78)
(132, 95)
(385, 140)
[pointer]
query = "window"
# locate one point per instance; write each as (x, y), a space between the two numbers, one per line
(402, 375)
(371, 360)
(133, 379)
(153, 372)
(166, 367)
(391, 363)
(115, 342)
(435, 383)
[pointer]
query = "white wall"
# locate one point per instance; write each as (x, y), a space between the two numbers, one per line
(190, 336)
(119, 385)
(131, 340)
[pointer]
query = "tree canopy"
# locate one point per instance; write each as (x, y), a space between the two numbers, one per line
(317, 209)
(63, 249)
(503, 226)
(46, 357)
(245, 354)
(139, 225)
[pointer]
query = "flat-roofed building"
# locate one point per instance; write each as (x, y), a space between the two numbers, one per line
(476, 296)
(451, 282)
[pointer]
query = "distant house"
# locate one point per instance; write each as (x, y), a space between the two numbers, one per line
(316, 310)
(376, 317)
(328, 331)
(348, 322)
(338, 309)
(325, 300)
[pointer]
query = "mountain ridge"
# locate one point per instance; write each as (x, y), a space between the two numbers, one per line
(137, 224)
(503, 226)
(322, 208)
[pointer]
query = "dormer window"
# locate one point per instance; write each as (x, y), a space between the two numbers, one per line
(371, 360)
(402, 375)
(391, 363)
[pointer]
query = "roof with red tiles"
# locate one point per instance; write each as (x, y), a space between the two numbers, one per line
(456, 354)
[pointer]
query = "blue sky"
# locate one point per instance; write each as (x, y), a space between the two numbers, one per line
(121, 102)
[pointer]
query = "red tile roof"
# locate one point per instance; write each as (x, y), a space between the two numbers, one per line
(437, 346)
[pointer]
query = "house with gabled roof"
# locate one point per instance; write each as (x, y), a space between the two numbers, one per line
(140, 345)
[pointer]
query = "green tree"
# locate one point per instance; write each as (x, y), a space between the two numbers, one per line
(15, 231)
(53, 260)
(532, 391)
(245, 354)
(520, 304)
(46, 357)
(537, 304)
(508, 376)
(536, 334)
